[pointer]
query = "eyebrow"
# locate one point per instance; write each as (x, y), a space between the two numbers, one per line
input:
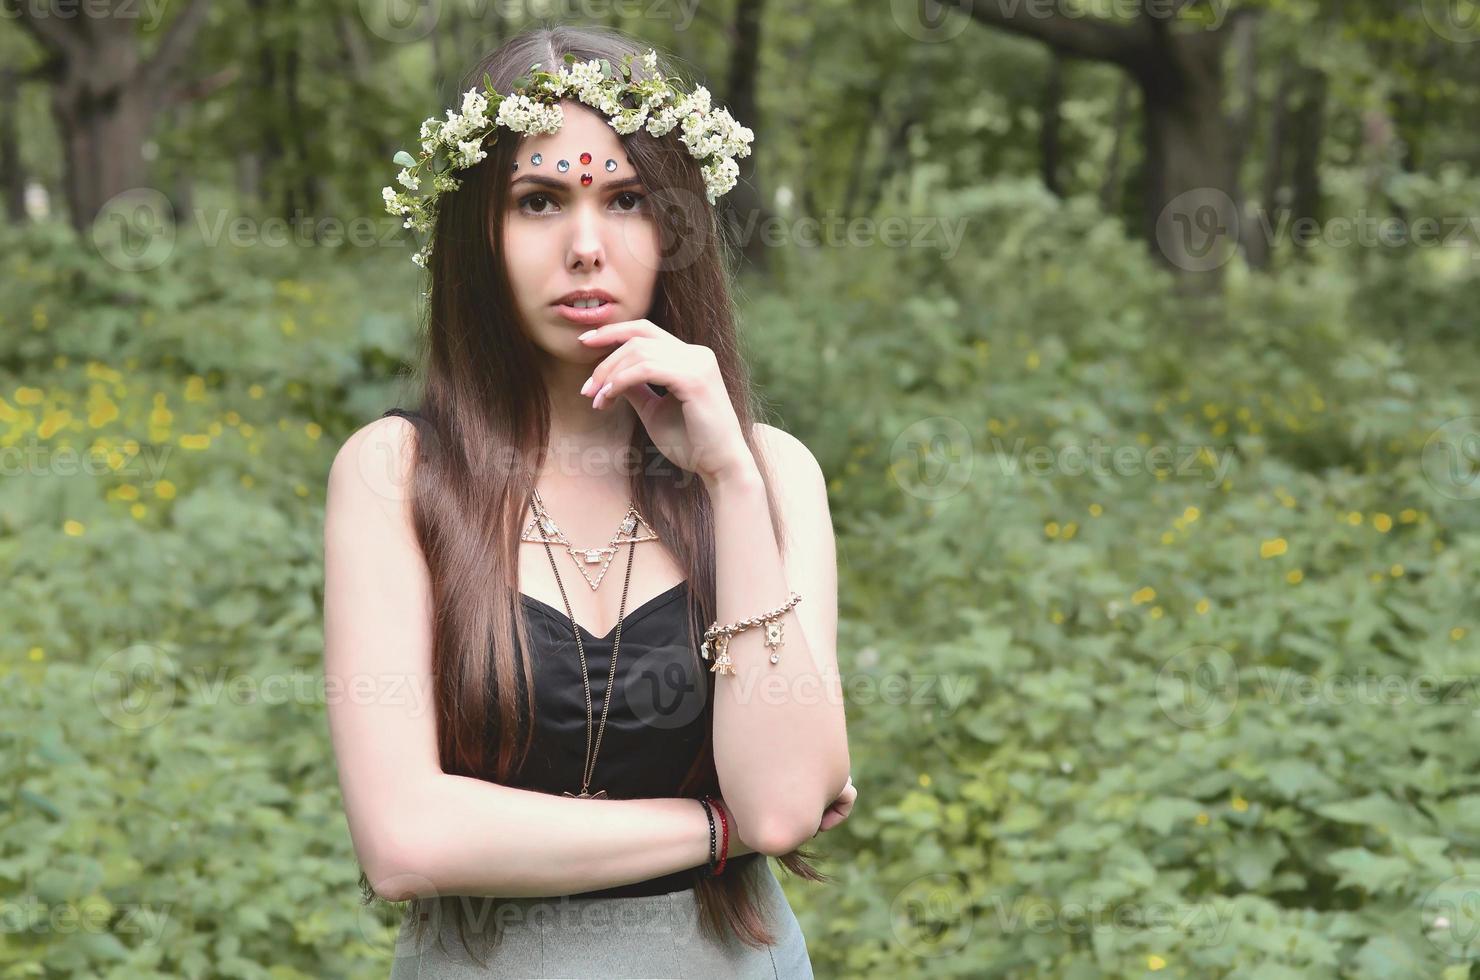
(562, 185)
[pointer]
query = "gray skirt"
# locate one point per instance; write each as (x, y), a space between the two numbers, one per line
(646, 936)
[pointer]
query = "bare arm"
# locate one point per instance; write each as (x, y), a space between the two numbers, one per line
(416, 829)
(780, 736)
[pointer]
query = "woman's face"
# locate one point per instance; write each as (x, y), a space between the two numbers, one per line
(563, 236)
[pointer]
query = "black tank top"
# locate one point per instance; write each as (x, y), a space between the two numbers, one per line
(657, 721)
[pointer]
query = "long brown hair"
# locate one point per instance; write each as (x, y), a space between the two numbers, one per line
(482, 404)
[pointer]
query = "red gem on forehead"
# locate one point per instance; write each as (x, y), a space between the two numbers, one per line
(585, 158)
(585, 180)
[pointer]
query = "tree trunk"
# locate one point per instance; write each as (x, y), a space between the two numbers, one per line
(12, 170)
(1112, 188)
(1190, 189)
(102, 122)
(1051, 125)
(104, 97)
(1310, 123)
(746, 202)
(1190, 215)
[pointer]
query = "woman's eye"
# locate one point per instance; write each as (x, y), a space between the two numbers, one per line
(628, 201)
(524, 201)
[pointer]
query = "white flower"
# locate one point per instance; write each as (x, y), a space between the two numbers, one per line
(524, 115)
(454, 129)
(662, 121)
(394, 202)
(469, 152)
(696, 101)
(430, 134)
(719, 177)
(474, 106)
(629, 121)
(709, 133)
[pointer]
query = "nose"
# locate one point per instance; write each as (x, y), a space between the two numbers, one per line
(587, 250)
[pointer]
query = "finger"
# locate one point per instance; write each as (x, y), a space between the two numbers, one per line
(615, 333)
(643, 371)
(602, 372)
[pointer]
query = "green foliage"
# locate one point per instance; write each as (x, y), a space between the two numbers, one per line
(1107, 720)
(1039, 795)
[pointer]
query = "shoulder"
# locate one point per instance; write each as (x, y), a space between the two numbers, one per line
(373, 466)
(789, 458)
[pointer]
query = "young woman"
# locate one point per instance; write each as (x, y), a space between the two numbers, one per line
(531, 750)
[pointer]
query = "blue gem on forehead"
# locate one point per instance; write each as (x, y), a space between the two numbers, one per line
(562, 165)
(536, 159)
(611, 165)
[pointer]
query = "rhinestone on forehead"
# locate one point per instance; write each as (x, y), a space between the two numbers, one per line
(611, 165)
(562, 165)
(536, 159)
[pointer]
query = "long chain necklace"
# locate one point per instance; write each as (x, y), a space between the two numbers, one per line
(626, 534)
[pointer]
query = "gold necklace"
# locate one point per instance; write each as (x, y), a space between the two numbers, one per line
(625, 533)
(542, 529)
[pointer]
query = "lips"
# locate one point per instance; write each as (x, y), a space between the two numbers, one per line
(579, 294)
(586, 316)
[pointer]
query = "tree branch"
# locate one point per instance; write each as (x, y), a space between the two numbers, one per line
(176, 41)
(1093, 38)
(50, 31)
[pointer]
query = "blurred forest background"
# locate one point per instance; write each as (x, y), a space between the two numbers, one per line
(1135, 338)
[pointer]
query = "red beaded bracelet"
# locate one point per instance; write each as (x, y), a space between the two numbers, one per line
(724, 849)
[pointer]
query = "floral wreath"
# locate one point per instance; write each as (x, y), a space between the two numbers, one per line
(711, 134)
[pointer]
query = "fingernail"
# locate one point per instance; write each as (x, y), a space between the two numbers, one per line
(585, 335)
(606, 389)
(587, 386)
